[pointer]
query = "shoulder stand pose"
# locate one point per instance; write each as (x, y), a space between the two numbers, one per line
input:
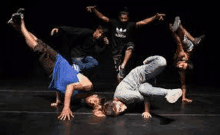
(64, 78)
(77, 46)
(135, 89)
(121, 36)
(185, 44)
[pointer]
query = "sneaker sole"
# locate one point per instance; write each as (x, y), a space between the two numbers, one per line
(200, 39)
(120, 75)
(174, 97)
(176, 23)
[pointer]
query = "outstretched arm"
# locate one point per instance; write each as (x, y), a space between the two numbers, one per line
(151, 19)
(97, 13)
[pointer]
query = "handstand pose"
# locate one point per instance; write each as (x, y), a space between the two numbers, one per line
(63, 77)
(185, 44)
(134, 89)
(121, 37)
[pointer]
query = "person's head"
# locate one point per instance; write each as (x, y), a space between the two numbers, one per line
(99, 33)
(114, 108)
(124, 15)
(93, 100)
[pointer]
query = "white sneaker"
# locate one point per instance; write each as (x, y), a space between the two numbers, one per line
(76, 67)
(173, 95)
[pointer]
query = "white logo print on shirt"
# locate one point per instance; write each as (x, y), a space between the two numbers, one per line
(120, 33)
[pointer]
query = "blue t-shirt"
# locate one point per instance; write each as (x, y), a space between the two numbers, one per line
(63, 74)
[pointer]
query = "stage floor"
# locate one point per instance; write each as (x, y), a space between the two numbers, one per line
(28, 112)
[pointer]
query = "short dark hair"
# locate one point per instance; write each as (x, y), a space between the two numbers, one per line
(105, 30)
(124, 10)
(108, 106)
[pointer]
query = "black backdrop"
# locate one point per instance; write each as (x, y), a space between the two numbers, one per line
(153, 39)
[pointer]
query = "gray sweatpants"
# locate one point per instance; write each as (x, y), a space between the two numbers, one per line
(134, 86)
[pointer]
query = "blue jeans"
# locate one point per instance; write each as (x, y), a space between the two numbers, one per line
(85, 63)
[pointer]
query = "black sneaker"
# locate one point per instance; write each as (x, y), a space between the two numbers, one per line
(121, 72)
(21, 10)
(16, 18)
(198, 40)
(176, 24)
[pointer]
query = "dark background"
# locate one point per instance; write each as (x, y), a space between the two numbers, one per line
(199, 17)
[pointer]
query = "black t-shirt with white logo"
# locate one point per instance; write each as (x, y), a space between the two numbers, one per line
(121, 34)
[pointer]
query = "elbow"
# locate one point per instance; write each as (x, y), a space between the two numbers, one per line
(105, 19)
(88, 86)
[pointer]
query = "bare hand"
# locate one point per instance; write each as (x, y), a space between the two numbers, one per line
(66, 113)
(106, 41)
(146, 115)
(90, 8)
(160, 16)
(55, 30)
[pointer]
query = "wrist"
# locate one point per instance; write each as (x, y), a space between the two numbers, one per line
(66, 107)
(156, 17)
(94, 10)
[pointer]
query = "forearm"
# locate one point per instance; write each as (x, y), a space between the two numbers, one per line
(149, 20)
(147, 106)
(146, 21)
(68, 95)
(100, 15)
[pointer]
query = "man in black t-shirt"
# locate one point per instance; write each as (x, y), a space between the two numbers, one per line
(121, 36)
(78, 45)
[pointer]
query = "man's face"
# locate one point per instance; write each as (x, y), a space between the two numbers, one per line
(123, 17)
(93, 100)
(98, 34)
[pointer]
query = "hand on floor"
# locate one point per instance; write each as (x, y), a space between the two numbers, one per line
(146, 115)
(66, 113)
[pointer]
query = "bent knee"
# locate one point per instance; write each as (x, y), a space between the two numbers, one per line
(161, 61)
(145, 88)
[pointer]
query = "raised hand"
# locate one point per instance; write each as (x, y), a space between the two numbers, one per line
(160, 16)
(54, 30)
(90, 8)
(106, 41)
